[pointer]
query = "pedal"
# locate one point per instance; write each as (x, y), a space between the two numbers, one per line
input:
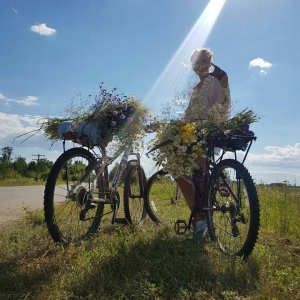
(180, 227)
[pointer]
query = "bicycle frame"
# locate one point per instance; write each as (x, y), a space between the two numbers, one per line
(110, 192)
(208, 175)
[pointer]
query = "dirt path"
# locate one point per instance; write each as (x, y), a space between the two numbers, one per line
(14, 199)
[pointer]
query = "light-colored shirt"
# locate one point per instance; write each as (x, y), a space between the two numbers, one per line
(209, 100)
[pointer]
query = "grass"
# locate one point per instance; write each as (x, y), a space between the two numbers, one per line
(21, 182)
(151, 262)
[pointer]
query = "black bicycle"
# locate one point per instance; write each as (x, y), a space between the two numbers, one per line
(230, 202)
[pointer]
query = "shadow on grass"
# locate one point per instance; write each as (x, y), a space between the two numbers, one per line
(163, 267)
(18, 282)
(129, 264)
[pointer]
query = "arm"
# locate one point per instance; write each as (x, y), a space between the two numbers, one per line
(214, 91)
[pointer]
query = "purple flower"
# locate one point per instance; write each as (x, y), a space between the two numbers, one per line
(122, 116)
(115, 112)
(113, 123)
(129, 120)
(125, 107)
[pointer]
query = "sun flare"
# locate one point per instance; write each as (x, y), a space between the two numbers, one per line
(178, 69)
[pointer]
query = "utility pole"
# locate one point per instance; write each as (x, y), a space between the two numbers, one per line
(37, 164)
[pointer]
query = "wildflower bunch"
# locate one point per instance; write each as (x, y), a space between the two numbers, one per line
(178, 144)
(240, 120)
(118, 116)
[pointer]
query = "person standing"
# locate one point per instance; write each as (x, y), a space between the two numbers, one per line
(210, 99)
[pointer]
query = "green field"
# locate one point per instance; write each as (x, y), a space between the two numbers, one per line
(151, 262)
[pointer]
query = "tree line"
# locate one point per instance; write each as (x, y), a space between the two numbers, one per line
(18, 167)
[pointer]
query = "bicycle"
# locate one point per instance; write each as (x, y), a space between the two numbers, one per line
(229, 202)
(78, 190)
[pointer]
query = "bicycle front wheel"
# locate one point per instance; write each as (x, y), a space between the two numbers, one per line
(70, 213)
(233, 209)
(133, 198)
(164, 200)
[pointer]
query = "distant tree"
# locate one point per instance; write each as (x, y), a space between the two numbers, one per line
(6, 154)
(31, 166)
(6, 170)
(44, 168)
(20, 165)
(45, 165)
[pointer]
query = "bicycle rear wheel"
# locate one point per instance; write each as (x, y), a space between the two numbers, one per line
(233, 209)
(133, 198)
(163, 199)
(72, 216)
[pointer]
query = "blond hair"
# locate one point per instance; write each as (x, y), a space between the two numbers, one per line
(196, 53)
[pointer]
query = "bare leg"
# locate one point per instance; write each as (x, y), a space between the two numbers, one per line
(188, 192)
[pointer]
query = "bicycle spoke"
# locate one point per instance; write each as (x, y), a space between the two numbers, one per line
(234, 222)
(164, 201)
(63, 210)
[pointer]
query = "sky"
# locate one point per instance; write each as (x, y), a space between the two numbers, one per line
(51, 51)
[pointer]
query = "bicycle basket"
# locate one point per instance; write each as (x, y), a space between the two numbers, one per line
(232, 140)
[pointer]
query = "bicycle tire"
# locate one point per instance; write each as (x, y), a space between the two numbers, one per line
(133, 198)
(62, 211)
(164, 201)
(235, 219)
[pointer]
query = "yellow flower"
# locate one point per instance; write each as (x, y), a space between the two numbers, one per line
(187, 133)
(200, 151)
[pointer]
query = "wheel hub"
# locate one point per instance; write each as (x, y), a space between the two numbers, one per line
(81, 196)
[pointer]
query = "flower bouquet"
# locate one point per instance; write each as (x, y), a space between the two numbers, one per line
(111, 116)
(178, 144)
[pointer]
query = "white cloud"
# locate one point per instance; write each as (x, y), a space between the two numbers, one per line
(27, 101)
(274, 164)
(288, 155)
(13, 125)
(42, 29)
(261, 64)
(263, 72)
(19, 132)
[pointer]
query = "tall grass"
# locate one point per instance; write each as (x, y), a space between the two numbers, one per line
(280, 206)
(151, 262)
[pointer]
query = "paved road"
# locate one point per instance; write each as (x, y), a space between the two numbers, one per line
(13, 199)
